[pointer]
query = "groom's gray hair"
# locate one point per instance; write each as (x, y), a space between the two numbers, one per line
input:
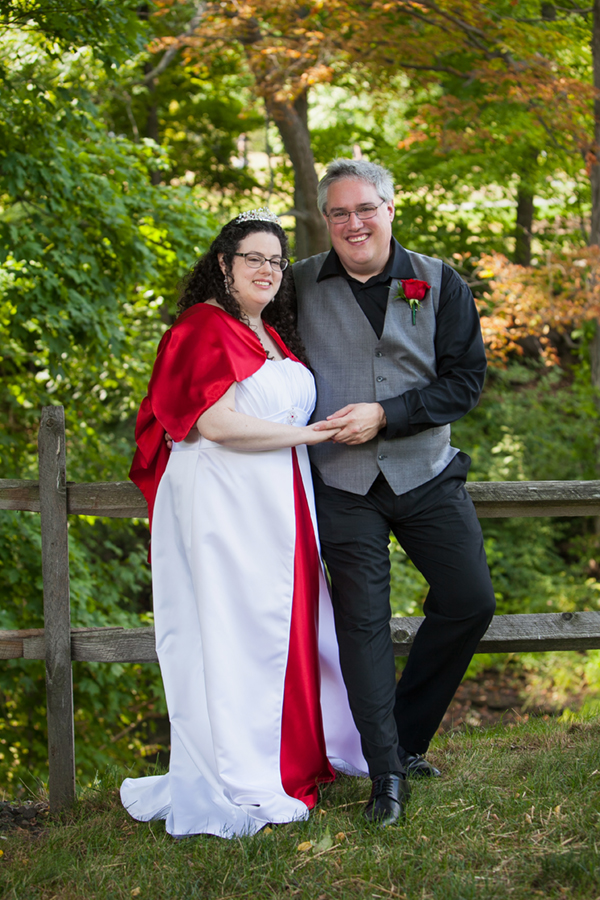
(360, 170)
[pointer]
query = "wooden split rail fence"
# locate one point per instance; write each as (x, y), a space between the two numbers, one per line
(59, 644)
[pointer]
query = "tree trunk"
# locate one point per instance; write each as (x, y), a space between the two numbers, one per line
(292, 122)
(522, 254)
(528, 175)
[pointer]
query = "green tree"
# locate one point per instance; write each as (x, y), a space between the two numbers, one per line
(89, 250)
(112, 28)
(289, 48)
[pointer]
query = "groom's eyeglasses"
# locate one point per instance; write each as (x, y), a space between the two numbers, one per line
(366, 211)
(257, 260)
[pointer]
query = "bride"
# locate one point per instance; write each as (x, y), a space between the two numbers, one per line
(244, 627)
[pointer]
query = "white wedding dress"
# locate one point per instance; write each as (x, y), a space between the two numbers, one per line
(223, 545)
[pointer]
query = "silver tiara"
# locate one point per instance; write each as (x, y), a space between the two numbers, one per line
(263, 214)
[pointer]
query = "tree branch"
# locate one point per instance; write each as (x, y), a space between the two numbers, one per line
(415, 15)
(447, 69)
(464, 26)
(474, 36)
(549, 131)
(28, 15)
(578, 10)
(297, 214)
(131, 117)
(201, 8)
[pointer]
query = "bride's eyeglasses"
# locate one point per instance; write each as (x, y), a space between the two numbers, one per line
(257, 260)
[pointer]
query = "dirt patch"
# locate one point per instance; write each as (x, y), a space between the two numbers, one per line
(494, 696)
(30, 816)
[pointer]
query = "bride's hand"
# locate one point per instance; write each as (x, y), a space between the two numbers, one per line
(327, 432)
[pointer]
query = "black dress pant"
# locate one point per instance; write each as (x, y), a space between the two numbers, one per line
(437, 526)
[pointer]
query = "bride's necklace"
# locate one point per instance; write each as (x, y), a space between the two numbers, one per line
(268, 353)
(254, 328)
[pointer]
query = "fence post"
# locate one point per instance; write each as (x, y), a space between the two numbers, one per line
(57, 615)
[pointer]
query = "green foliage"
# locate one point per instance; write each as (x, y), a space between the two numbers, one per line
(90, 254)
(113, 27)
(535, 426)
(531, 425)
(198, 116)
(81, 225)
(91, 250)
(458, 172)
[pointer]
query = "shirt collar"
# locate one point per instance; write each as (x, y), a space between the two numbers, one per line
(397, 266)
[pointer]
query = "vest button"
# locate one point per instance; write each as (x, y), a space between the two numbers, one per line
(382, 456)
(380, 378)
(378, 354)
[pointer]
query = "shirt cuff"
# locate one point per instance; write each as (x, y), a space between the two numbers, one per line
(396, 414)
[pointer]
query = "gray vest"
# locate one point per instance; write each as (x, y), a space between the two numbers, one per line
(352, 365)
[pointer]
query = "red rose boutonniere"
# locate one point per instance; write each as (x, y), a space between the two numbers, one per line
(413, 291)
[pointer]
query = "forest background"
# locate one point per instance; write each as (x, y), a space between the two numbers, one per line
(129, 133)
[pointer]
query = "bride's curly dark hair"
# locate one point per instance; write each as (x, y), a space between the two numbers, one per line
(206, 281)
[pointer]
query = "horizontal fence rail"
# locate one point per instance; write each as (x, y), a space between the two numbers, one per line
(60, 645)
(492, 499)
(506, 634)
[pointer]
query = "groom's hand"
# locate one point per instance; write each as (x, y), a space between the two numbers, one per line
(359, 422)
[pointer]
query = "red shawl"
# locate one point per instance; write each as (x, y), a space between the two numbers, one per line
(198, 360)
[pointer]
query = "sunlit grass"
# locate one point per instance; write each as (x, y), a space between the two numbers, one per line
(516, 814)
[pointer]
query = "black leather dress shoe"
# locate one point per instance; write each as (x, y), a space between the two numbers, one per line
(417, 765)
(388, 796)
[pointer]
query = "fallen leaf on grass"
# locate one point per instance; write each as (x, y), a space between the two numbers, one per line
(304, 846)
(324, 844)
(267, 830)
(340, 836)
(136, 892)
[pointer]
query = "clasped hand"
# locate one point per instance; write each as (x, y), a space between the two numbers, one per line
(354, 424)
(357, 423)
(319, 432)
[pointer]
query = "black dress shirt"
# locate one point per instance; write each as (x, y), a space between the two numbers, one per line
(459, 350)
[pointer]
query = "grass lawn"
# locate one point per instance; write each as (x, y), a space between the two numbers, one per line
(516, 814)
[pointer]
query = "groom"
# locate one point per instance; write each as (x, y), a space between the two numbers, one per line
(393, 375)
